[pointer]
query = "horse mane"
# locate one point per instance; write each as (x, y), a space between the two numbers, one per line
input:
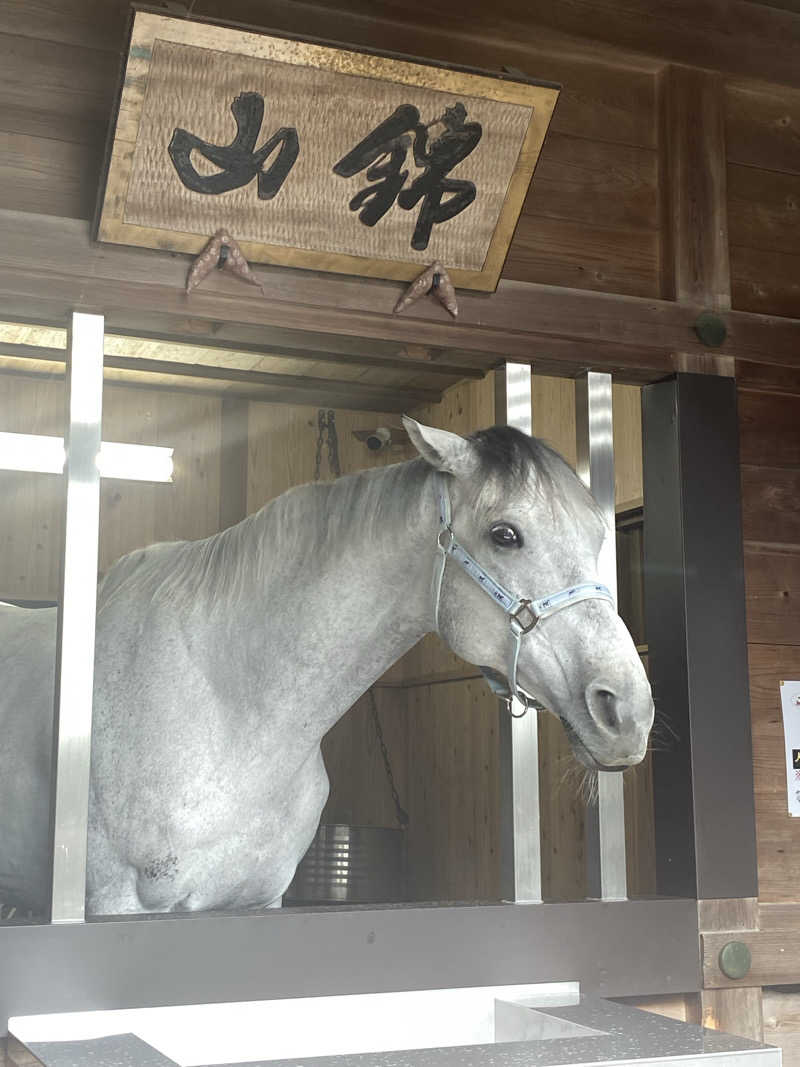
(282, 537)
(318, 519)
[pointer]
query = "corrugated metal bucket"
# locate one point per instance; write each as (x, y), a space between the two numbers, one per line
(351, 865)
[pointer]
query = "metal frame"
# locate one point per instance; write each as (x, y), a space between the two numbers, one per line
(69, 965)
(606, 871)
(72, 726)
(520, 823)
(194, 960)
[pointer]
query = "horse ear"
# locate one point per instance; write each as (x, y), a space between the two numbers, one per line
(444, 451)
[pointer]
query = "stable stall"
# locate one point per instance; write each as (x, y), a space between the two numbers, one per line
(636, 329)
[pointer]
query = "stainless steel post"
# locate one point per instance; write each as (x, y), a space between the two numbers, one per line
(605, 821)
(521, 863)
(76, 621)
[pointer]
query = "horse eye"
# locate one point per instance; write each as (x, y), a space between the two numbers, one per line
(505, 535)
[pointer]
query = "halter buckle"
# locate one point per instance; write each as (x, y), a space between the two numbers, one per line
(524, 618)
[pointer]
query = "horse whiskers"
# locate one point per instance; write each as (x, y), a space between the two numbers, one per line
(588, 789)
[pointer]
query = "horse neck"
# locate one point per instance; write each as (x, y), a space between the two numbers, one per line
(346, 606)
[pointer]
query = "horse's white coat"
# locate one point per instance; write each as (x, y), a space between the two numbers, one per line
(221, 664)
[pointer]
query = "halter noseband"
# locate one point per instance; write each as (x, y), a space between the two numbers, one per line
(523, 614)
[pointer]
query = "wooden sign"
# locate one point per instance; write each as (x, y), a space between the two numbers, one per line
(313, 156)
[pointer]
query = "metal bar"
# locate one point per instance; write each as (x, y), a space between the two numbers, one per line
(72, 726)
(695, 624)
(520, 860)
(605, 821)
(162, 960)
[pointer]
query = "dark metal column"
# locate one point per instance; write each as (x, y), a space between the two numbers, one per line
(695, 618)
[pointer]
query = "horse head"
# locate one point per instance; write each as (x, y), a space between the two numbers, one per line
(525, 530)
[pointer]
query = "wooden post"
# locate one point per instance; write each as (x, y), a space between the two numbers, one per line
(734, 1010)
(695, 267)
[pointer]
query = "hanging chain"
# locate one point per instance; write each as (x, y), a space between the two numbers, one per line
(326, 433)
(401, 814)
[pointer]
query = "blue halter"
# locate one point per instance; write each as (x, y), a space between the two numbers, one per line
(523, 614)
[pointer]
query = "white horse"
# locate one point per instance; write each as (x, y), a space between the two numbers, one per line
(221, 664)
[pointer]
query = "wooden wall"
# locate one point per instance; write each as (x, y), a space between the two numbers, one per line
(591, 220)
(764, 209)
(132, 514)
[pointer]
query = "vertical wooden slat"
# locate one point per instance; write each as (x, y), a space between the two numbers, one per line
(233, 461)
(695, 267)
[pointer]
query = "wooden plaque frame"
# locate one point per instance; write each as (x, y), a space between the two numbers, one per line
(148, 29)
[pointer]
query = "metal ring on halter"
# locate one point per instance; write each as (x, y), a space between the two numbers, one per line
(516, 617)
(446, 547)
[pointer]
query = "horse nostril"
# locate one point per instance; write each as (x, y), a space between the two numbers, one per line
(603, 705)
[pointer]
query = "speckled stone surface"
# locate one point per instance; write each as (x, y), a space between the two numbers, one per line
(119, 1050)
(626, 1034)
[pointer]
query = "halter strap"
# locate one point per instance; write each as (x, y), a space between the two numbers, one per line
(523, 614)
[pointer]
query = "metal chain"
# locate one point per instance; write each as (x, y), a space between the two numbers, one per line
(401, 814)
(326, 429)
(333, 445)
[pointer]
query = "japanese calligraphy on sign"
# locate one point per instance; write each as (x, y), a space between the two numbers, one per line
(318, 157)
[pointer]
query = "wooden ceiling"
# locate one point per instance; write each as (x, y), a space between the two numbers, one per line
(287, 366)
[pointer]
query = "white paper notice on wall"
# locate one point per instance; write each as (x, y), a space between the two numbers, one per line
(790, 704)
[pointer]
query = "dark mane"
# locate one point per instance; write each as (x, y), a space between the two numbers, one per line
(511, 458)
(511, 455)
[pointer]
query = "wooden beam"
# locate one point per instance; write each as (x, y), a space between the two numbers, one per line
(50, 264)
(295, 382)
(736, 1010)
(737, 37)
(316, 355)
(695, 269)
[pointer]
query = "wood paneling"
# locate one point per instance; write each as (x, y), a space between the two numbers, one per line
(735, 1011)
(40, 75)
(764, 209)
(771, 505)
(132, 514)
(765, 282)
(764, 378)
(764, 196)
(586, 181)
(763, 126)
(781, 1009)
(753, 40)
(602, 100)
(769, 428)
(778, 834)
(579, 255)
(772, 581)
(90, 23)
(695, 230)
(47, 177)
(32, 512)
